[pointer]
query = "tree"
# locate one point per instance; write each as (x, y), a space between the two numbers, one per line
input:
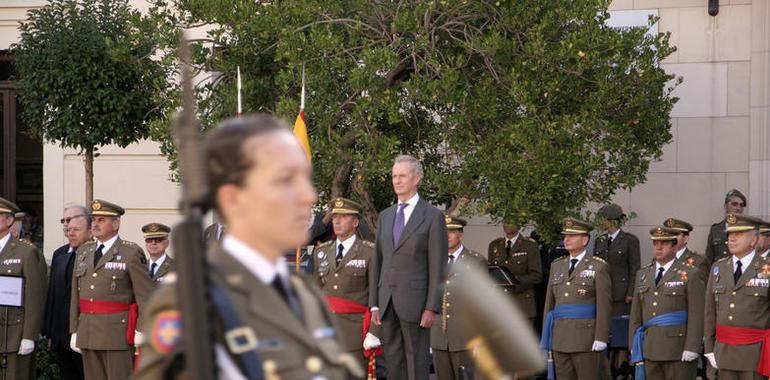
(525, 110)
(86, 76)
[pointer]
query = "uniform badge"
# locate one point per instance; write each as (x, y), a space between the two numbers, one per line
(321, 254)
(448, 219)
(166, 332)
(731, 219)
(95, 205)
(582, 292)
(764, 272)
(691, 261)
(339, 203)
(683, 275)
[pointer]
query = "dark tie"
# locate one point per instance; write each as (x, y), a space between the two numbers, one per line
(660, 275)
(288, 297)
(738, 272)
(339, 253)
(152, 269)
(398, 225)
(609, 240)
(451, 261)
(508, 247)
(572, 264)
(98, 254)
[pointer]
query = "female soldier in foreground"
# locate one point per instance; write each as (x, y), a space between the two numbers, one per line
(260, 184)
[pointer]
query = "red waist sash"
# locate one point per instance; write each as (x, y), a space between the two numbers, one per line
(343, 306)
(742, 335)
(112, 307)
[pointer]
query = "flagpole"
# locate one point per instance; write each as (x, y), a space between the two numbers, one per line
(239, 108)
(298, 253)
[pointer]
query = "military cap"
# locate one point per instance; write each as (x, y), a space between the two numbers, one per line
(8, 207)
(155, 230)
(103, 208)
(19, 215)
(678, 224)
(764, 228)
(735, 193)
(664, 233)
(453, 223)
(345, 206)
(739, 223)
(612, 212)
(572, 226)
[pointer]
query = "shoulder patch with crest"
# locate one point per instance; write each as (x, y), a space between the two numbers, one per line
(326, 243)
(723, 259)
(166, 331)
(367, 243)
(599, 259)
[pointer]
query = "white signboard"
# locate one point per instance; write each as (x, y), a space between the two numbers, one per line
(638, 18)
(11, 291)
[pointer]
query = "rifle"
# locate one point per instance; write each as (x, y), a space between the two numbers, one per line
(195, 307)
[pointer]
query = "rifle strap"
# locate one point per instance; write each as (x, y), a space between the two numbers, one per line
(240, 340)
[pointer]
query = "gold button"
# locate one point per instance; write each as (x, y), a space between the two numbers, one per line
(90, 300)
(656, 293)
(269, 366)
(94, 275)
(114, 277)
(447, 293)
(732, 306)
(336, 275)
(447, 304)
(734, 293)
(313, 364)
(568, 283)
(447, 281)
(92, 286)
(654, 314)
(566, 294)
(756, 294)
(335, 287)
(505, 290)
(9, 271)
(730, 317)
(122, 321)
(78, 288)
(447, 316)
(654, 304)
(673, 293)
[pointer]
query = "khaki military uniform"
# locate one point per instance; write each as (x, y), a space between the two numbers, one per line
(449, 335)
(121, 275)
(212, 234)
(742, 304)
(163, 270)
(573, 339)
(348, 280)
(680, 288)
(523, 262)
(697, 260)
(716, 243)
(21, 258)
(294, 350)
(623, 257)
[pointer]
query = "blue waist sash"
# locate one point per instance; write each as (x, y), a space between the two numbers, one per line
(673, 318)
(566, 311)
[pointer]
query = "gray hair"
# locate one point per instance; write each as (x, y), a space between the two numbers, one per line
(85, 210)
(415, 163)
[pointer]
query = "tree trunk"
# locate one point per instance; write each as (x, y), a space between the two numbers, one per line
(89, 164)
(371, 215)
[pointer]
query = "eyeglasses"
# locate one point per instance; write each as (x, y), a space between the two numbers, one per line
(67, 220)
(154, 240)
(73, 229)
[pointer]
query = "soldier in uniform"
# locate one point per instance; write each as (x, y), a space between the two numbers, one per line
(110, 288)
(666, 324)
(448, 337)
(737, 315)
(763, 245)
(621, 250)
(521, 256)
(156, 242)
(259, 180)
(342, 272)
(20, 258)
(683, 252)
(716, 244)
(578, 305)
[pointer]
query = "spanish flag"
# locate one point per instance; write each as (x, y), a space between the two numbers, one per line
(300, 127)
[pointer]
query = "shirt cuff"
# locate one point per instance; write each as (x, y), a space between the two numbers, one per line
(374, 308)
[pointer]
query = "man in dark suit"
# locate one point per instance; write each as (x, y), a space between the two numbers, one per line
(407, 269)
(77, 229)
(716, 243)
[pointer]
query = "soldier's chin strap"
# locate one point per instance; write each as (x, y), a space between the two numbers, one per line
(240, 340)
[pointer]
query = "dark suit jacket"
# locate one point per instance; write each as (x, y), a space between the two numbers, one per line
(624, 259)
(409, 272)
(57, 306)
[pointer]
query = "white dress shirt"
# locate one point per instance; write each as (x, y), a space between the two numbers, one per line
(746, 261)
(158, 263)
(107, 244)
(665, 267)
(578, 257)
(456, 253)
(680, 252)
(411, 204)
(512, 240)
(346, 245)
(4, 241)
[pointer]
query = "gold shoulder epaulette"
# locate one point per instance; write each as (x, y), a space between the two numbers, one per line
(473, 253)
(367, 243)
(128, 243)
(648, 265)
(599, 259)
(561, 258)
(90, 242)
(27, 243)
(324, 244)
(722, 259)
(497, 240)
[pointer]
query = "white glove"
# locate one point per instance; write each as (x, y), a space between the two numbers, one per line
(73, 343)
(688, 356)
(371, 341)
(138, 338)
(712, 359)
(598, 346)
(26, 347)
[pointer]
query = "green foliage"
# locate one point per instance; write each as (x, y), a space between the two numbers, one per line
(525, 110)
(45, 361)
(86, 76)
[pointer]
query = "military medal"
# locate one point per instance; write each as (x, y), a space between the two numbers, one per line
(582, 292)
(691, 261)
(683, 275)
